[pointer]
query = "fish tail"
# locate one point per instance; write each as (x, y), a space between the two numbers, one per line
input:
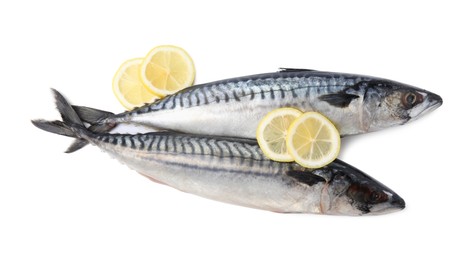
(71, 125)
(93, 116)
(97, 120)
(55, 127)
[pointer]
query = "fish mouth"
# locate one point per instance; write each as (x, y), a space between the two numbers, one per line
(434, 100)
(431, 102)
(396, 203)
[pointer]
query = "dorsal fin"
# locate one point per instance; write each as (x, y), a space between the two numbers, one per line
(293, 70)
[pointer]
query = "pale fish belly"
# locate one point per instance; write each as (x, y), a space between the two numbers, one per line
(244, 182)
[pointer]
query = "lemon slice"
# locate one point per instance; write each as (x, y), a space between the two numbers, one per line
(127, 86)
(167, 69)
(272, 131)
(313, 141)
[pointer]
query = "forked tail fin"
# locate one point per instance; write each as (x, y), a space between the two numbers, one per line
(71, 125)
(94, 117)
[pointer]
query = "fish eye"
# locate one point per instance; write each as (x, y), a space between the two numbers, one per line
(410, 99)
(361, 193)
(377, 197)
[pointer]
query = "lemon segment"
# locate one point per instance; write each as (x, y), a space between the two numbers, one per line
(167, 69)
(127, 86)
(312, 140)
(272, 132)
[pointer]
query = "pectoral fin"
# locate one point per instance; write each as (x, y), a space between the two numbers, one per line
(305, 177)
(339, 99)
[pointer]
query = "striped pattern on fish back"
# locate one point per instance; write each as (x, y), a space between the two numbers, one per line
(270, 86)
(182, 144)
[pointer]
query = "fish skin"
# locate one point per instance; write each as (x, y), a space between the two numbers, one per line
(235, 171)
(355, 104)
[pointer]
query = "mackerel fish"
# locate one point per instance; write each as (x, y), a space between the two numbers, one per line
(233, 107)
(235, 171)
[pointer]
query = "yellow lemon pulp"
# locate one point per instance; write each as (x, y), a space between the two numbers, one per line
(167, 69)
(272, 132)
(313, 141)
(127, 86)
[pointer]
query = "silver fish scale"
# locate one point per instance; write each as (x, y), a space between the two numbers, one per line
(263, 88)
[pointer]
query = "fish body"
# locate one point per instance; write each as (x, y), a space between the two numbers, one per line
(235, 171)
(355, 104)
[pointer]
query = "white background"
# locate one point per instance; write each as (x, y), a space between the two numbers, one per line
(85, 205)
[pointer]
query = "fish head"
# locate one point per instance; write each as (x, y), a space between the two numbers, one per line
(389, 103)
(354, 193)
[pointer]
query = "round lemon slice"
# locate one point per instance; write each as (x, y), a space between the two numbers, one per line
(167, 69)
(272, 132)
(313, 141)
(127, 86)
